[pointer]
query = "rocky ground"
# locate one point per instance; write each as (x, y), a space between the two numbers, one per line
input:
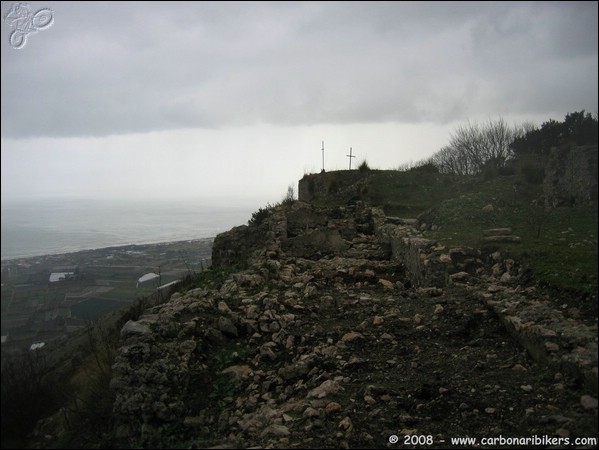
(338, 349)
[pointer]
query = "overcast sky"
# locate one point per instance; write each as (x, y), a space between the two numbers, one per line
(233, 100)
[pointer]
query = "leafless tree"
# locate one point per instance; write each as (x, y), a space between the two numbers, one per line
(290, 196)
(497, 136)
(473, 146)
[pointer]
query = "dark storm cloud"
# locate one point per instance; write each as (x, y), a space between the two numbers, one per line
(118, 68)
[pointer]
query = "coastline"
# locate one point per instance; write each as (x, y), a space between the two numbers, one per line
(116, 247)
(42, 228)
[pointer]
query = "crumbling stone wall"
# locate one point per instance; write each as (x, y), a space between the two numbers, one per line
(306, 231)
(571, 176)
(299, 229)
(342, 185)
(427, 263)
(234, 247)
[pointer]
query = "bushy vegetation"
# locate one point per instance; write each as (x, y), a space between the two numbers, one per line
(476, 148)
(29, 392)
(258, 217)
(364, 167)
(578, 128)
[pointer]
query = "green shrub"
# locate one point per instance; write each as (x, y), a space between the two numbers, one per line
(364, 167)
(258, 217)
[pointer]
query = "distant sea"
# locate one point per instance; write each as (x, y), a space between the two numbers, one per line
(46, 227)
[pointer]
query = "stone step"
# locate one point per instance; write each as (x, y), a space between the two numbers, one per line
(402, 221)
(497, 232)
(502, 238)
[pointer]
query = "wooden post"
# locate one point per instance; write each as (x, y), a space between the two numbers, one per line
(323, 156)
(350, 156)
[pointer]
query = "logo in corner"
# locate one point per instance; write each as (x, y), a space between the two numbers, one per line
(25, 22)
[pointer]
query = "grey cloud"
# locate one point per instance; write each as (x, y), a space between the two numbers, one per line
(123, 67)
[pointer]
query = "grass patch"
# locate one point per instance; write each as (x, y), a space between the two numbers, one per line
(559, 245)
(566, 253)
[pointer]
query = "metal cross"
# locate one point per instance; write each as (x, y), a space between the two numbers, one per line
(350, 156)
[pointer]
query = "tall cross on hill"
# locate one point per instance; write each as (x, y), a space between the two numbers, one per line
(323, 156)
(350, 156)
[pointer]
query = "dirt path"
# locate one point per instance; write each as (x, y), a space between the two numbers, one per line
(439, 368)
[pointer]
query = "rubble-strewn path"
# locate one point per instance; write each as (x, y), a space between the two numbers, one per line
(324, 342)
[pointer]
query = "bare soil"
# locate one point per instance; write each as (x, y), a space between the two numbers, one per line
(428, 367)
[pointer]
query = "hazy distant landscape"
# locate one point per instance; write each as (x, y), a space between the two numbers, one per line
(54, 226)
(36, 309)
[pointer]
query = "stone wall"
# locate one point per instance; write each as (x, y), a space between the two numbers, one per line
(427, 263)
(235, 246)
(299, 229)
(306, 231)
(341, 185)
(571, 176)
